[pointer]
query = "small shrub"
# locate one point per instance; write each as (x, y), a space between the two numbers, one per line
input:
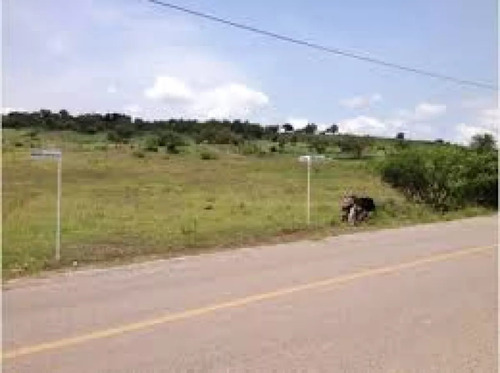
(151, 144)
(218, 136)
(249, 148)
(172, 141)
(115, 137)
(172, 149)
(207, 154)
(319, 145)
(33, 133)
(100, 147)
(138, 154)
(355, 145)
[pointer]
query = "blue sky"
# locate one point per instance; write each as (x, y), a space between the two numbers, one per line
(133, 56)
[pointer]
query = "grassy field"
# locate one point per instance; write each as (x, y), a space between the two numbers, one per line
(116, 205)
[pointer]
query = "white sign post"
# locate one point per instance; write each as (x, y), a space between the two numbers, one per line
(309, 159)
(54, 154)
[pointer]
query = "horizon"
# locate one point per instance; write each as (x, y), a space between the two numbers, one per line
(244, 121)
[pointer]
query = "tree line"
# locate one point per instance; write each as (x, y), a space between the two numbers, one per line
(172, 133)
(121, 126)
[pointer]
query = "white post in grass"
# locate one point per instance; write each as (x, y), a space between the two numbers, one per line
(59, 190)
(309, 159)
(308, 190)
(54, 154)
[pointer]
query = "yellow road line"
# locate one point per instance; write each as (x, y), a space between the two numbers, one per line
(127, 328)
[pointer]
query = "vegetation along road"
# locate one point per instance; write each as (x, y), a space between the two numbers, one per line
(134, 188)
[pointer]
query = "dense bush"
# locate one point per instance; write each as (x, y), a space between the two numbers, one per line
(249, 148)
(355, 145)
(319, 144)
(151, 144)
(214, 135)
(138, 154)
(446, 177)
(171, 141)
(207, 154)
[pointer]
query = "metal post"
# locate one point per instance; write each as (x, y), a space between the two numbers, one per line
(41, 154)
(58, 232)
(308, 190)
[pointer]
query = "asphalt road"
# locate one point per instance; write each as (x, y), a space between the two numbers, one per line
(419, 299)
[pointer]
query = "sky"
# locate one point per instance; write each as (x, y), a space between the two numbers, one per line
(148, 61)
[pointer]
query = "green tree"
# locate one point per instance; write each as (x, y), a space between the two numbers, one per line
(272, 129)
(171, 140)
(333, 129)
(311, 128)
(483, 142)
(64, 114)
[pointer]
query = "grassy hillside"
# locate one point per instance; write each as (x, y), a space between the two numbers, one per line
(120, 203)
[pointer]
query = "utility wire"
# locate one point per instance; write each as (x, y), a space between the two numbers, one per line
(327, 49)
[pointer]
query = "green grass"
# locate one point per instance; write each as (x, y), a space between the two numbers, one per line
(118, 206)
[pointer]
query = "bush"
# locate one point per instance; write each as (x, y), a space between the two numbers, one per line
(171, 140)
(138, 154)
(219, 136)
(319, 145)
(249, 148)
(207, 154)
(100, 147)
(33, 133)
(114, 137)
(355, 145)
(151, 144)
(444, 178)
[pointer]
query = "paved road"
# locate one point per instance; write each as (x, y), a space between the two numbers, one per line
(420, 299)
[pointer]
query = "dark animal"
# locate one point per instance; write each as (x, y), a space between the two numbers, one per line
(356, 209)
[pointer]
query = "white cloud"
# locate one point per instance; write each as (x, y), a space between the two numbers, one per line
(478, 102)
(361, 102)
(229, 101)
(8, 110)
(364, 125)
(132, 109)
(464, 132)
(168, 88)
(422, 112)
(488, 122)
(69, 54)
(411, 122)
(226, 101)
(490, 118)
(112, 89)
(427, 110)
(56, 45)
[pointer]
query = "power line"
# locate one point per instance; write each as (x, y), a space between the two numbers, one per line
(327, 49)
